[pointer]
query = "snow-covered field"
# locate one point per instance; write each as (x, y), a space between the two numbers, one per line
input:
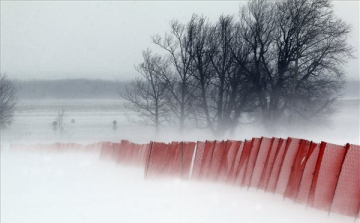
(77, 187)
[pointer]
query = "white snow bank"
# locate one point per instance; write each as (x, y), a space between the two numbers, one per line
(76, 188)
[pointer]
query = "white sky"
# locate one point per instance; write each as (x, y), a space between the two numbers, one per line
(98, 39)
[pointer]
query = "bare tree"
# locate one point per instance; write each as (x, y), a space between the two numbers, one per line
(232, 94)
(59, 123)
(218, 60)
(147, 95)
(319, 49)
(281, 62)
(199, 31)
(7, 100)
(179, 83)
(257, 25)
(298, 48)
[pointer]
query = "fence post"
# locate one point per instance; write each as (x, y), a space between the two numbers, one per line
(147, 162)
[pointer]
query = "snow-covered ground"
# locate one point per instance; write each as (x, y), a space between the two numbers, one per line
(76, 188)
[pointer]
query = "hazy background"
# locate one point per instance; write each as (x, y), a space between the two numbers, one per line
(99, 39)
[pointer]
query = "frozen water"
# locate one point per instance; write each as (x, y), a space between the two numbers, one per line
(93, 123)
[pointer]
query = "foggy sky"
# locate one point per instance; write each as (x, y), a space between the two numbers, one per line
(97, 39)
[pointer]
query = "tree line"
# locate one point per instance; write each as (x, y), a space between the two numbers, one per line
(278, 62)
(69, 89)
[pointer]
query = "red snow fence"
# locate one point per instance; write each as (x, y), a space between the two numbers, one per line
(269, 163)
(308, 173)
(244, 156)
(259, 165)
(346, 199)
(327, 171)
(169, 160)
(226, 169)
(322, 175)
(125, 152)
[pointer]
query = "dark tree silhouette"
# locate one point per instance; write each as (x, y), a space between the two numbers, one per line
(298, 49)
(147, 95)
(281, 62)
(7, 101)
(177, 44)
